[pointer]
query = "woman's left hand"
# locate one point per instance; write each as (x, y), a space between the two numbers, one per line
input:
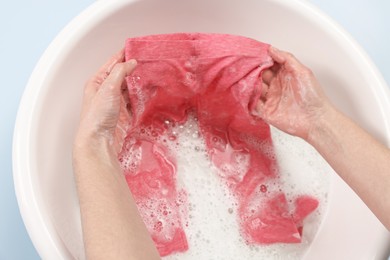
(105, 115)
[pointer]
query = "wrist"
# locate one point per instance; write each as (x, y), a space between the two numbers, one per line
(322, 126)
(94, 146)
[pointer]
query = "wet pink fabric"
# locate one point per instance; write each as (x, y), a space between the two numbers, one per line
(217, 77)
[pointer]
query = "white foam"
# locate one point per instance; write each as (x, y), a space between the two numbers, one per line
(213, 231)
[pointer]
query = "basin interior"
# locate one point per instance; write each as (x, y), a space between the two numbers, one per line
(346, 76)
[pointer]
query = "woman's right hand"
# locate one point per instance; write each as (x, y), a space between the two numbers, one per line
(292, 99)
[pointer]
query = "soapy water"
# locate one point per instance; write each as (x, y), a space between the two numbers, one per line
(210, 214)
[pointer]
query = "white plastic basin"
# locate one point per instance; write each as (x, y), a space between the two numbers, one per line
(49, 110)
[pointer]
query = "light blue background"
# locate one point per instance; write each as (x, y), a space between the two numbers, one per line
(27, 28)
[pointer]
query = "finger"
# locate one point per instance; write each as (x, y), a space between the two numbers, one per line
(108, 66)
(267, 76)
(283, 57)
(125, 96)
(113, 83)
(264, 92)
(286, 59)
(94, 82)
(259, 110)
(293, 65)
(275, 68)
(277, 55)
(260, 107)
(291, 62)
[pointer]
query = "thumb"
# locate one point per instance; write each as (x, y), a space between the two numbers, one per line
(260, 106)
(112, 85)
(107, 103)
(259, 110)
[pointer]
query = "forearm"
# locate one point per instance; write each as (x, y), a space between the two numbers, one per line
(357, 157)
(112, 226)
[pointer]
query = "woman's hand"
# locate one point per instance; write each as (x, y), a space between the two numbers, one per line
(291, 98)
(112, 226)
(105, 116)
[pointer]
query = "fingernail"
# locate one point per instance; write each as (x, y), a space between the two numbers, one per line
(132, 62)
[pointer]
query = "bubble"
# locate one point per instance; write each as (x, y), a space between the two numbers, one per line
(212, 209)
(195, 134)
(135, 79)
(158, 226)
(263, 188)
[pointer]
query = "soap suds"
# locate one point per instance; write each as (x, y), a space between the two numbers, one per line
(212, 227)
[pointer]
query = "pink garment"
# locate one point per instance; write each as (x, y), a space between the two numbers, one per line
(218, 77)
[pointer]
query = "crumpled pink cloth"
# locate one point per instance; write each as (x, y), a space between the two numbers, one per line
(217, 77)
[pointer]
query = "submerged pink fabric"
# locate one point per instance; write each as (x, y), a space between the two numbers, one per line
(218, 77)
